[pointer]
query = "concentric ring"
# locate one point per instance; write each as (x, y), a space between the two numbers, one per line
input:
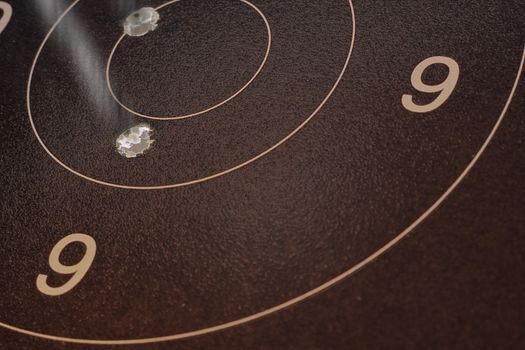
(217, 105)
(185, 183)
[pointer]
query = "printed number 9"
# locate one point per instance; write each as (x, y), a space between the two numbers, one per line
(78, 270)
(445, 88)
(7, 11)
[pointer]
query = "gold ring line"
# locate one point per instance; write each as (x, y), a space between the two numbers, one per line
(318, 289)
(259, 69)
(186, 183)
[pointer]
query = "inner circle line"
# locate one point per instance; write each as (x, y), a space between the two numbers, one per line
(185, 116)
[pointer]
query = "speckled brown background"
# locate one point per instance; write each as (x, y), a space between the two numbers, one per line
(360, 172)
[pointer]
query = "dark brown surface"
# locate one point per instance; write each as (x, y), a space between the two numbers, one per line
(363, 169)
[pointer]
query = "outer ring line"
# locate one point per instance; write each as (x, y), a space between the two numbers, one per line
(186, 183)
(320, 288)
(261, 66)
